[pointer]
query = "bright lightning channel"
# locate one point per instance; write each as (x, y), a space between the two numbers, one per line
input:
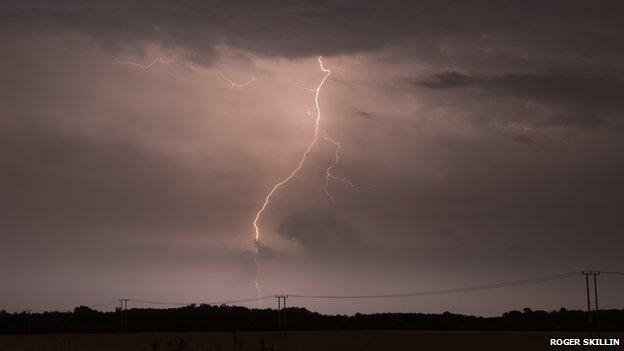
(294, 171)
(304, 156)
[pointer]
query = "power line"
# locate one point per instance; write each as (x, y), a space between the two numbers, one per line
(205, 303)
(398, 295)
(162, 303)
(614, 273)
(448, 291)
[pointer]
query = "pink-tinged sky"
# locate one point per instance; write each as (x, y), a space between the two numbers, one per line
(491, 134)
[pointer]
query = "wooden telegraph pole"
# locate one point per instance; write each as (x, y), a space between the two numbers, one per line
(593, 324)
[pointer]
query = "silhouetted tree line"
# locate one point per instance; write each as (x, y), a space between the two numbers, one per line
(227, 318)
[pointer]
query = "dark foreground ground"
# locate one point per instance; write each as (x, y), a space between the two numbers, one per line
(299, 341)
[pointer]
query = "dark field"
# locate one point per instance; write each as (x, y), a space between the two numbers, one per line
(308, 340)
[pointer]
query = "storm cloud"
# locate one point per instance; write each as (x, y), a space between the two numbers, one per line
(480, 141)
(303, 28)
(584, 97)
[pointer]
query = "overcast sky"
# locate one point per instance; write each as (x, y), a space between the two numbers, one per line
(484, 140)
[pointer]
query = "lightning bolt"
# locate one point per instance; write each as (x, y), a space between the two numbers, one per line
(329, 175)
(520, 127)
(304, 156)
(157, 60)
(293, 172)
(318, 132)
(328, 172)
(233, 84)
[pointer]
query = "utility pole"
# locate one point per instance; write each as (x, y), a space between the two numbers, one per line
(279, 312)
(284, 314)
(123, 305)
(121, 323)
(589, 310)
(588, 304)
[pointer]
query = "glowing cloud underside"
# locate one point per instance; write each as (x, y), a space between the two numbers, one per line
(318, 132)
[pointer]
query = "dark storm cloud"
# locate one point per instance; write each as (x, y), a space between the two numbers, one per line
(304, 28)
(447, 80)
(557, 88)
(579, 99)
